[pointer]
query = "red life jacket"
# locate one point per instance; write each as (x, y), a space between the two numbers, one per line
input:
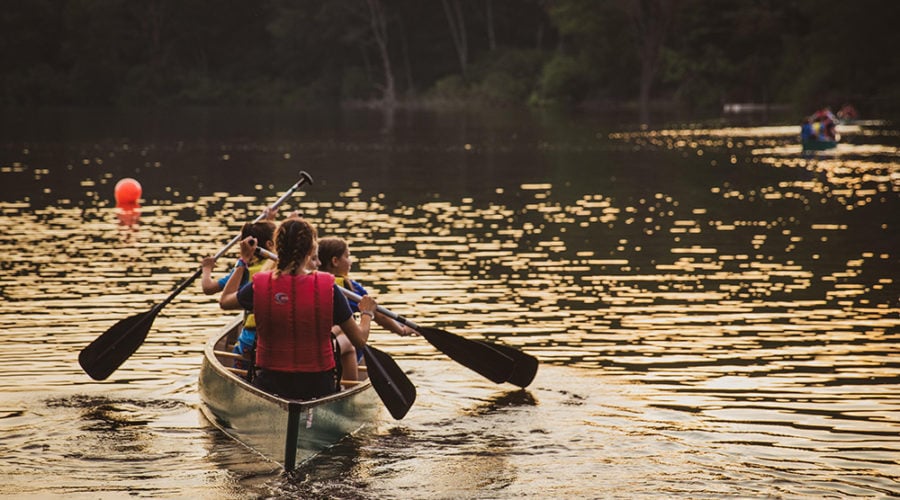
(294, 315)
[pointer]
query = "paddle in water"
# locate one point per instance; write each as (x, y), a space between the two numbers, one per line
(394, 388)
(499, 363)
(108, 351)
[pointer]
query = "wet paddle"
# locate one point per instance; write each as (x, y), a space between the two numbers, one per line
(497, 362)
(108, 351)
(394, 388)
(526, 365)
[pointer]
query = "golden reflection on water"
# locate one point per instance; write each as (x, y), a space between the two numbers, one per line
(775, 327)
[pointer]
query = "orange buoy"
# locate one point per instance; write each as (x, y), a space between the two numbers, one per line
(128, 192)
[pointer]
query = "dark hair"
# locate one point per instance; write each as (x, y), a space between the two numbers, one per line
(263, 232)
(329, 247)
(294, 241)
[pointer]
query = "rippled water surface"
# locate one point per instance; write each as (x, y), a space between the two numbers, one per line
(716, 313)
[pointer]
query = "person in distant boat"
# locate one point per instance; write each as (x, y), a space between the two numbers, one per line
(847, 113)
(334, 258)
(806, 131)
(826, 127)
(822, 126)
(830, 131)
(263, 232)
(295, 310)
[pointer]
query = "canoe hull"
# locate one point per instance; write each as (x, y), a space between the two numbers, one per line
(818, 145)
(288, 432)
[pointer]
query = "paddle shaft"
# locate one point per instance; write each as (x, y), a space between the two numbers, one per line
(305, 178)
(106, 353)
(396, 317)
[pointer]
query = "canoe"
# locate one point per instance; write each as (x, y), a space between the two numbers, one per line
(285, 431)
(818, 145)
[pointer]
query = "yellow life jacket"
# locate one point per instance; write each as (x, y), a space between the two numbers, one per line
(249, 318)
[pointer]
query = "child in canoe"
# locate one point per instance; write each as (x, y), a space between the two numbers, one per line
(263, 233)
(295, 311)
(334, 258)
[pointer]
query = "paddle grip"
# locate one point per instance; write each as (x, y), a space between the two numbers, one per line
(305, 178)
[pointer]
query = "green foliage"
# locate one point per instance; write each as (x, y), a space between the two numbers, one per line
(449, 88)
(587, 18)
(356, 84)
(506, 76)
(698, 81)
(281, 52)
(564, 80)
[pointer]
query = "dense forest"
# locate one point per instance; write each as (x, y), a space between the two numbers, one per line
(695, 54)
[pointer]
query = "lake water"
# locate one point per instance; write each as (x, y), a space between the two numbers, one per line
(716, 314)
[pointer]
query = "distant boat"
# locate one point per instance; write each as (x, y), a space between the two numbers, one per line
(814, 145)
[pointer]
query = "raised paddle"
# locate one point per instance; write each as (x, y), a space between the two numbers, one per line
(497, 362)
(108, 351)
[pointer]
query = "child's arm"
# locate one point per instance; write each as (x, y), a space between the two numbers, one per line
(209, 285)
(388, 323)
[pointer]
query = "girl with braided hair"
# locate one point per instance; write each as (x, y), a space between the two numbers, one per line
(295, 309)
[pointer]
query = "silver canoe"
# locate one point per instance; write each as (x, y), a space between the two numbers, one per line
(286, 431)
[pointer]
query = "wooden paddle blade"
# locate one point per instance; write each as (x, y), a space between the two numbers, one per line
(525, 367)
(108, 351)
(394, 388)
(477, 356)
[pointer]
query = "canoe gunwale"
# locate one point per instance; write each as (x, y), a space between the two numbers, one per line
(818, 145)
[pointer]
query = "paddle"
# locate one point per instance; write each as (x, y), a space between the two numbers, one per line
(394, 388)
(108, 351)
(497, 362)
(526, 365)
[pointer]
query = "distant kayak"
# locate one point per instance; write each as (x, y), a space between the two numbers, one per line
(814, 145)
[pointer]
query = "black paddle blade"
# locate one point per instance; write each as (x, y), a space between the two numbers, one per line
(477, 356)
(394, 388)
(525, 367)
(107, 352)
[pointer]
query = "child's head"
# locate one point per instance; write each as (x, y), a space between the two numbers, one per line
(264, 232)
(295, 241)
(331, 250)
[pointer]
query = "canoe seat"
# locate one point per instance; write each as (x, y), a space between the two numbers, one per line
(243, 373)
(230, 355)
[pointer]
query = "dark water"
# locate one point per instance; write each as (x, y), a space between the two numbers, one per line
(716, 313)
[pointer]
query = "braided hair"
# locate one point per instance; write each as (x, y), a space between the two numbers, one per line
(294, 241)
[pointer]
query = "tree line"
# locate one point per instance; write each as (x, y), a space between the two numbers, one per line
(696, 54)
